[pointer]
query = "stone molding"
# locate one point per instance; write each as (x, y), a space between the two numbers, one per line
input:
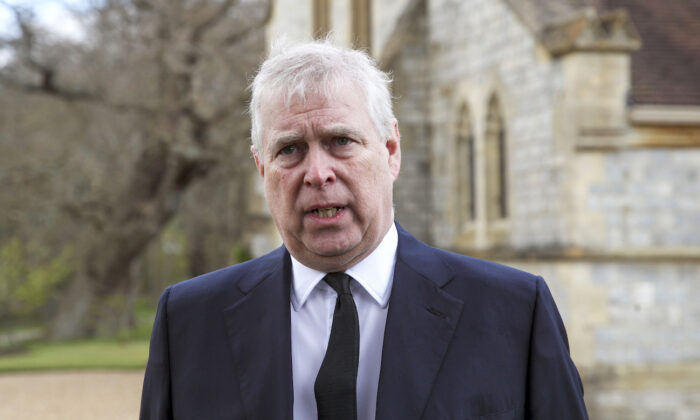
(665, 115)
(647, 135)
(680, 255)
(610, 32)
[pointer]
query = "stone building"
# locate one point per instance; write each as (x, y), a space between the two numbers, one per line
(562, 137)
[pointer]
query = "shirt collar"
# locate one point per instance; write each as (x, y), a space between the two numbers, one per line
(375, 273)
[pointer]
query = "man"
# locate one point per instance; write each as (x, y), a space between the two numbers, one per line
(352, 318)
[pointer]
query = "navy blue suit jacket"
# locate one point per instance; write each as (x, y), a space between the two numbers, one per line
(465, 339)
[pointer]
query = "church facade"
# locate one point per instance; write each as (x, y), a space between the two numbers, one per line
(561, 137)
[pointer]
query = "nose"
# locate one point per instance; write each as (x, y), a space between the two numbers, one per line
(319, 169)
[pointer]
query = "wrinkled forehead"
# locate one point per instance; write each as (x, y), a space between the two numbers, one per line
(284, 97)
(273, 104)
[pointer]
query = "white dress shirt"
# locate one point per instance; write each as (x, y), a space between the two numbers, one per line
(312, 306)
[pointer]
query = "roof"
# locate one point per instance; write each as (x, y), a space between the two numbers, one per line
(666, 70)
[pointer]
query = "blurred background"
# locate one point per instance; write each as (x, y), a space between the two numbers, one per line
(559, 136)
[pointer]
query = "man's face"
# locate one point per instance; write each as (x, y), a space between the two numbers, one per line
(328, 177)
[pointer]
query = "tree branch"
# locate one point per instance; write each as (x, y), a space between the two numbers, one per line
(201, 28)
(234, 38)
(48, 87)
(25, 46)
(91, 211)
(26, 41)
(144, 5)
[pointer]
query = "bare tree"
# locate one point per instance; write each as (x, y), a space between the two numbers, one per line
(167, 78)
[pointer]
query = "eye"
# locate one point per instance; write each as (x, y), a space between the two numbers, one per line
(342, 141)
(341, 146)
(291, 153)
(288, 150)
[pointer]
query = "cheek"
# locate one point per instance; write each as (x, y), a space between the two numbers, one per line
(280, 189)
(272, 190)
(373, 182)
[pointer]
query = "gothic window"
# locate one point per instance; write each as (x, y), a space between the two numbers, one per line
(361, 23)
(321, 18)
(496, 163)
(466, 182)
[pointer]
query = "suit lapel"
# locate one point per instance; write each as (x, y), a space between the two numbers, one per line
(419, 327)
(258, 328)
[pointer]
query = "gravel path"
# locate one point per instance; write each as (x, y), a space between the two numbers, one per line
(101, 395)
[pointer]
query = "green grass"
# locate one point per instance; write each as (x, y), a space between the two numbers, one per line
(84, 354)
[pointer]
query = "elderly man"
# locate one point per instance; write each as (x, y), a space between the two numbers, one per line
(352, 318)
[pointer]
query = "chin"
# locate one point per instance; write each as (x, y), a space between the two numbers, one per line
(332, 243)
(330, 251)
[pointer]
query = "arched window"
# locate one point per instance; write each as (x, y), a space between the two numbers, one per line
(466, 180)
(496, 163)
(361, 23)
(321, 18)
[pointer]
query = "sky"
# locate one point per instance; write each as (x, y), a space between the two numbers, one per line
(50, 15)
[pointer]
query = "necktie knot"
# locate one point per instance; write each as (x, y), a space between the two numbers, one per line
(339, 281)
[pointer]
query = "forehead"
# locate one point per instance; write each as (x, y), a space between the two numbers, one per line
(310, 95)
(340, 106)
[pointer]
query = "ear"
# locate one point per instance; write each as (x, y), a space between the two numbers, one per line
(258, 162)
(393, 146)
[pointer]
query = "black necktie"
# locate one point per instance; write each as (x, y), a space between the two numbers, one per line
(336, 383)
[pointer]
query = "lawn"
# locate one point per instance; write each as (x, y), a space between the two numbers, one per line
(84, 354)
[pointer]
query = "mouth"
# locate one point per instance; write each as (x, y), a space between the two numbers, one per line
(326, 212)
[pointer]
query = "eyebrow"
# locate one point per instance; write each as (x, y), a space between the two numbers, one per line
(332, 131)
(287, 138)
(342, 131)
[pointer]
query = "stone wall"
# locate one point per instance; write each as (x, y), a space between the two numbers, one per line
(643, 200)
(413, 207)
(481, 48)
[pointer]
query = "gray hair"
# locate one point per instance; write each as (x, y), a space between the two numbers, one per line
(318, 68)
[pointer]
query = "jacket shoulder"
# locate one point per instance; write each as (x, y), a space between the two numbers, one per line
(228, 282)
(490, 277)
(484, 269)
(465, 275)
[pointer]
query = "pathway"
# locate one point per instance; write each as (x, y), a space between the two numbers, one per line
(94, 395)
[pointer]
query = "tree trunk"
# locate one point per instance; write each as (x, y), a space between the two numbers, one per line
(91, 301)
(196, 252)
(73, 316)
